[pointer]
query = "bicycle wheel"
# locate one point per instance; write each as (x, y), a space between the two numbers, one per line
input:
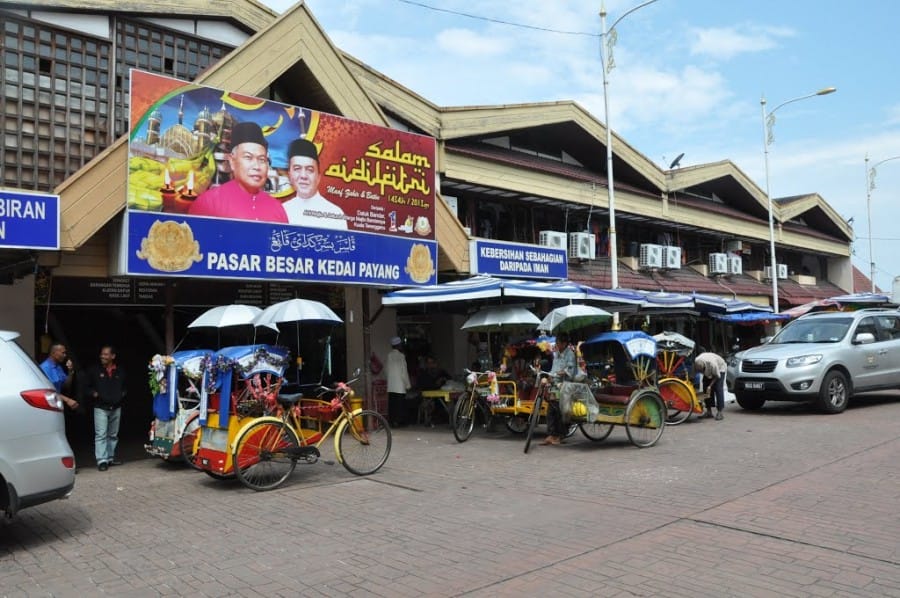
(645, 418)
(262, 454)
(533, 420)
(517, 424)
(595, 431)
(363, 443)
(464, 417)
(190, 440)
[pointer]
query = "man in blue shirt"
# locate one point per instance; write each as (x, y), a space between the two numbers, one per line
(58, 369)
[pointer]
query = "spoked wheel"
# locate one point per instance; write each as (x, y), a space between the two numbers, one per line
(679, 397)
(571, 429)
(595, 431)
(533, 420)
(262, 455)
(517, 424)
(464, 417)
(190, 441)
(645, 418)
(364, 443)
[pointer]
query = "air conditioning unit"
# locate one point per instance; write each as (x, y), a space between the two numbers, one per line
(672, 259)
(735, 266)
(734, 246)
(782, 271)
(552, 238)
(651, 256)
(582, 246)
(718, 263)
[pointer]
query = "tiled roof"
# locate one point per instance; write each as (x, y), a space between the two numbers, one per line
(862, 283)
(597, 273)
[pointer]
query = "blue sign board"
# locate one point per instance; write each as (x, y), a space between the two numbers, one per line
(197, 246)
(29, 220)
(517, 260)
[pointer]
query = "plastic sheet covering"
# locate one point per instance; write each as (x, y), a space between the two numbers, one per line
(577, 392)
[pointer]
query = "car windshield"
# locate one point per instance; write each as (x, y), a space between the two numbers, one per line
(814, 331)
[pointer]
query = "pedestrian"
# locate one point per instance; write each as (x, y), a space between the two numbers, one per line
(58, 368)
(564, 368)
(105, 389)
(397, 383)
(712, 367)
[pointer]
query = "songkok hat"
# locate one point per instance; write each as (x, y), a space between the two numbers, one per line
(396, 341)
(247, 132)
(302, 147)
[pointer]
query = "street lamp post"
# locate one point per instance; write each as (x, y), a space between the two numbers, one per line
(870, 186)
(608, 38)
(768, 121)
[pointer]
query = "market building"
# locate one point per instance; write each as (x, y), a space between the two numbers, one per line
(523, 181)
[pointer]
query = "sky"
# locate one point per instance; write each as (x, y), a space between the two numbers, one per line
(688, 78)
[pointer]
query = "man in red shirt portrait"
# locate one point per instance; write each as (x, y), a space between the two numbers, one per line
(243, 197)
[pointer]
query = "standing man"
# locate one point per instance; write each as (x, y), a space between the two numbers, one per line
(105, 388)
(58, 368)
(565, 366)
(397, 383)
(243, 197)
(712, 367)
(308, 207)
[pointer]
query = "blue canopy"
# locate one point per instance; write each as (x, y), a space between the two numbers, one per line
(750, 316)
(636, 342)
(486, 287)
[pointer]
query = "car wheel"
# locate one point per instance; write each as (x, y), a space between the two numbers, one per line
(750, 403)
(834, 393)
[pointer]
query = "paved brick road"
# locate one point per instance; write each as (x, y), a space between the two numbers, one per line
(784, 502)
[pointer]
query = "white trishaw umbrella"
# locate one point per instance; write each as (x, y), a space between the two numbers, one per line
(500, 317)
(223, 316)
(227, 316)
(299, 310)
(674, 341)
(572, 317)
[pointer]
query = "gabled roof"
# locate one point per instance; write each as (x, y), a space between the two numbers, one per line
(816, 213)
(724, 179)
(862, 283)
(579, 133)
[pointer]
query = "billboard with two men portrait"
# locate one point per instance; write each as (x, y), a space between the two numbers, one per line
(230, 186)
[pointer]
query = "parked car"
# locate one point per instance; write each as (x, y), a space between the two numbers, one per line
(822, 357)
(36, 462)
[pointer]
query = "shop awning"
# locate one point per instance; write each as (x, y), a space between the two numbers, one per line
(486, 287)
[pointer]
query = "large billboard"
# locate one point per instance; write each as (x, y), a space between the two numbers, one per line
(230, 186)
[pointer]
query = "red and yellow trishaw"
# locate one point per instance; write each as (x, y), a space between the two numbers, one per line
(239, 385)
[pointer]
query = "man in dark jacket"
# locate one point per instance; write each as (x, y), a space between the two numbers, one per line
(105, 389)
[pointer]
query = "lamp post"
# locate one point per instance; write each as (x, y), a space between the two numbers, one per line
(608, 38)
(870, 186)
(768, 121)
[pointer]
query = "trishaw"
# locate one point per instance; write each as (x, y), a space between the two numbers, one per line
(509, 394)
(177, 378)
(268, 448)
(675, 384)
(239, 384)
(621, 389)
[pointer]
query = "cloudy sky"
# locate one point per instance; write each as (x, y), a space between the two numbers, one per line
(689, 77)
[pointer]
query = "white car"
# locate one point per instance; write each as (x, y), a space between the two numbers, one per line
(824, 358)
(36, 462)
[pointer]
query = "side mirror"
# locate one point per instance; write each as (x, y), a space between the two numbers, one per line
(864, 338)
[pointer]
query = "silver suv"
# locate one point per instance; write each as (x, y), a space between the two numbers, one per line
(822, 357)
(36, 461)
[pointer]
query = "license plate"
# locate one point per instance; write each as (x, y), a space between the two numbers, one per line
(754, 385)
